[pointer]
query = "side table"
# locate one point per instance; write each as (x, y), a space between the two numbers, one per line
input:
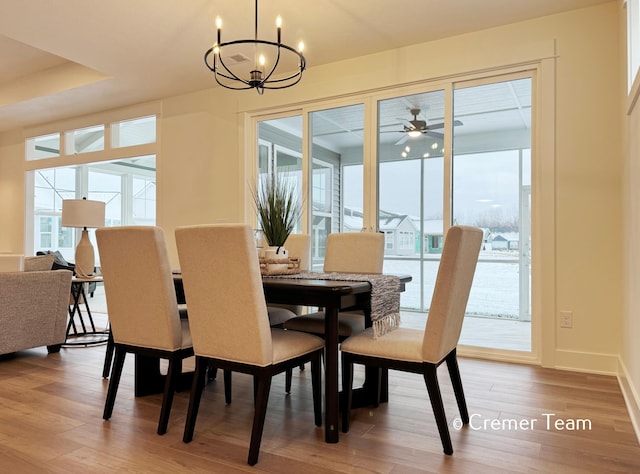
(85, 331)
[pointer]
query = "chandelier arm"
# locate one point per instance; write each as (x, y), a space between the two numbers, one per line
(275, 65)
(216, 73)
(233, 76)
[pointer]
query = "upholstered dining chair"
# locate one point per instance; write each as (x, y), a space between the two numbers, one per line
(422, 351)
(298, 246)
(348, 252)
(142, 307)
(229, 322)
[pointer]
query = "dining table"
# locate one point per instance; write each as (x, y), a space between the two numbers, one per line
(334, 296)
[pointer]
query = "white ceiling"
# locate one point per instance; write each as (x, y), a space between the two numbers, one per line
(68, 58)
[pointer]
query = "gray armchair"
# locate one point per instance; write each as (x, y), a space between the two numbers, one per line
(34, 307)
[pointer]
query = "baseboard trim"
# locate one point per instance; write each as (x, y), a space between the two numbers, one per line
(631, 398)
(497, 355)
(589, 362)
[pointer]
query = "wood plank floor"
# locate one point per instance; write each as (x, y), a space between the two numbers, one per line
(51, 421)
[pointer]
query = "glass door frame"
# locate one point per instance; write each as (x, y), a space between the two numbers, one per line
(542, 73)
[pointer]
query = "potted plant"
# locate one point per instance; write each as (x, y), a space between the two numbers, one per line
(278, 211)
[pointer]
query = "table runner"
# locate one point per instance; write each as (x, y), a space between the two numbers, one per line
(385, 296)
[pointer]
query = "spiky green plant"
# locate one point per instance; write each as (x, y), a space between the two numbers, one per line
(278, 208)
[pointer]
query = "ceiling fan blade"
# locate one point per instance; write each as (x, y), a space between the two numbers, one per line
(402, 140)
(437, 126)
(434, 134)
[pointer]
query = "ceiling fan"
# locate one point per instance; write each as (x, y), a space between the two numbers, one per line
(417, 127)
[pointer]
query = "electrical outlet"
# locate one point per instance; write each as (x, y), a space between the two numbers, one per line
(566, 319)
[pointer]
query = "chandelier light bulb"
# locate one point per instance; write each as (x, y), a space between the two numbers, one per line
(261, 60)
(301, 46)
(279, 21)
(218, 22)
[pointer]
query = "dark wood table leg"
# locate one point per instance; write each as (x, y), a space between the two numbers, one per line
(331, 374)
(148, 379)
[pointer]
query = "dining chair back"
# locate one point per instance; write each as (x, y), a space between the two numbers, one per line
(451, 292)
(141, 305)
(227, 309)
(354, 252)
(423, 350)
(229, 321)
(346, 252)
(299, 246)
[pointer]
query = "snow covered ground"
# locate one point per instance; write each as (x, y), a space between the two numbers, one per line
(495, 290)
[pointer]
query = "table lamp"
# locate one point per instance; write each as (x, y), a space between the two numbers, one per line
(83, 213)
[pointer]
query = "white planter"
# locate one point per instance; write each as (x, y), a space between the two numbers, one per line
(276, 253)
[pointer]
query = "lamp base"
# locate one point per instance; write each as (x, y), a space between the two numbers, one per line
(85, 256)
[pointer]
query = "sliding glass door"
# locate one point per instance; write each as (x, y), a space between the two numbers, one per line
(491, 189)
(457, 154)
(410, 190)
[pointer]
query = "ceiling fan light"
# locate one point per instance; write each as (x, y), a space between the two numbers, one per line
(414, 133)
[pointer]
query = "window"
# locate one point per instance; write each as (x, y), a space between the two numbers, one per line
(45, 146)
(127, 186)
(406, 240)
(457, 152)
(336, 174)
(491, 186)
(388, 240)
(84, 140)
(133, 132)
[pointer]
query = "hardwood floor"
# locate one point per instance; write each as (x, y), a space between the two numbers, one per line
(51, 421)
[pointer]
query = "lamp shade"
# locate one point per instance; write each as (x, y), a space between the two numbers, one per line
(82, 213)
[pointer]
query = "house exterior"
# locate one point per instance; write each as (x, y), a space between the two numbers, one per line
(402, 232)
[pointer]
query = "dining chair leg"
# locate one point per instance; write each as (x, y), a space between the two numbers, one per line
(173, 372)
(347, 390)
(456, 382)
(288, 379)
(194, 399)
(316, 381)
(227, 386)
(431, 379)
(255, 390)
(108, 356)
(212, 373)
(384, 386)
(263, 386)
(116, 373)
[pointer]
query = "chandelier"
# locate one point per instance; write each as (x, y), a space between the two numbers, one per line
(228, 68)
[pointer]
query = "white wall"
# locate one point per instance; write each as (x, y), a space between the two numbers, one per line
(629, 373)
